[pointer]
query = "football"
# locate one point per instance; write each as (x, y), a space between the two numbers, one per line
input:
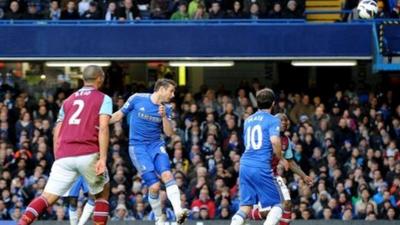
(367, 9)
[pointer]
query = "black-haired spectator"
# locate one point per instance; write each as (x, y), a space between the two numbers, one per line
(255, 12)
(54, 12)
(93, 13)
(276, 11)
(236, 12)
(129, 11)
(14, 12)
(216, 12)
(33, 12)
(111, 12)
(70, 12)
(159, 9)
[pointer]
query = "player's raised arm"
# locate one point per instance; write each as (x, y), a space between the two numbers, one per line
(166, 123)
(128, 106)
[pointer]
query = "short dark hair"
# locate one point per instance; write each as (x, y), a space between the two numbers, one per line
(91, 72)
(163, 82)
(265, 98)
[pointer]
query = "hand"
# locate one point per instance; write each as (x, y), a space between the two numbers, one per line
(161, 111)
(100, 167)
(308, 180)
(285, 164)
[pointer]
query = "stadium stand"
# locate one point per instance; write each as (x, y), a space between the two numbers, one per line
(349, 144)
(155, 9)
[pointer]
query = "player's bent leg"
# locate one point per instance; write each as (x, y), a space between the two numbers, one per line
(274, 215)
(73, 215)
(155, 202)
(240, 216)
(60, 180)
(37, 207)
(163, 167)
(101, 206)
(87, 211)
(174, 196)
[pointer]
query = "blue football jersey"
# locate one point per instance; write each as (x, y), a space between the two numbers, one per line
(145, 123)
(258, 129)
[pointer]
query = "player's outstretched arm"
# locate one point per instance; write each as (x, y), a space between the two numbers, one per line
(297, 170)
(116, 117)
(104, 136)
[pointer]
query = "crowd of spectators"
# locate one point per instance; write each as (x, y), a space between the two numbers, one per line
(130, 10)
(348, 143)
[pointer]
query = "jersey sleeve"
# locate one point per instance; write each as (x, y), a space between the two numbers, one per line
(129, 104)
(61, 114)
(289, 151)
(274, 127)
(106, 106)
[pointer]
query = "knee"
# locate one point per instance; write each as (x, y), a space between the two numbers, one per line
(287, 205)
(73, 202)
(155, 188)
(263, 214)
(50, 198)
(167, 176)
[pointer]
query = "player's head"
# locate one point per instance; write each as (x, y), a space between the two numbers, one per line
(284, 121)
(265, 98)
(165, 88)
(93, 75)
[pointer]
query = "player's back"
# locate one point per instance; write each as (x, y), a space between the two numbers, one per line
(144, 120)
(80, 123)
(258, 129)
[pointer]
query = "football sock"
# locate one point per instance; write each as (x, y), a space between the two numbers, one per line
(274, 216)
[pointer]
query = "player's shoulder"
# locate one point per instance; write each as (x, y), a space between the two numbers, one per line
(137, 96)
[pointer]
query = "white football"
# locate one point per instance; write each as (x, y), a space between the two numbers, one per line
(367, 9)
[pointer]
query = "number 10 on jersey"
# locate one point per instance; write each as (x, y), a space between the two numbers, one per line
(253, 137)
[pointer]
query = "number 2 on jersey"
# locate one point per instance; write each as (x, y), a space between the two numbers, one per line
(74, 120)
(253, 137)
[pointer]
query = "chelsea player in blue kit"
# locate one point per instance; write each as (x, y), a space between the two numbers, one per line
(73, 195)
(257, 183)
(149, 114)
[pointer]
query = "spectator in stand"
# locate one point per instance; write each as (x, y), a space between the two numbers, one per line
(200, 13)
(255, 12)
(236, 12)
(276, 11)
(14, 12)
(182, 13)
(111, 13)
(292, 11)
(54, 11)
(159, 9)
(70, 12)
(129, 11)
(216, 12)
(92, 13)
